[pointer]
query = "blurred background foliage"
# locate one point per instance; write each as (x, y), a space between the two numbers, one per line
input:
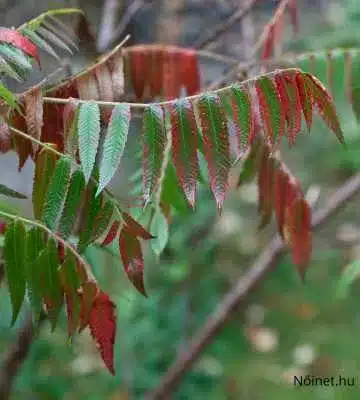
(287, 328)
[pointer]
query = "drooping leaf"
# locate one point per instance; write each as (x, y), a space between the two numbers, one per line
(154, 143)
(132, 259)
(272, 114)
(50, 281)
(298, 221)
(111, 235)
(39, 42)
(114, 144)
(87, 87)
(5, 137)
(70, 121)
(305, 94)
(102, 323)
(44, 169)
(89, 134)
(6, 191)
(216, 144)
(35, 243)
(243, 117)
(102, 220)
(91, 210)
(71, 283)
(15, 264)
(34, 114)
(134, 228)
(324, 103)
(56, 192)
(89, 290)
(72, 203)
(117, 75)
(291, 104)
(190, 71)
(184, 147)
(138, 62)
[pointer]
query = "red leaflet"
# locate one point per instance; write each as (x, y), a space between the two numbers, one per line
(87, 87)
(61, 252)
(290, 103)
(190, 75)
(305, 95)
(132, 259)
(105, 90)
(155, 77)
(102, 323)
(299, 223)
(23, 146)
(139, 63)
(281, 183)
(73, 320)
(88, 292)
(171, 76)
(322, 100)
(114, 228)
(14, 37)
(34, 114)
(134, 228)
(184, 147)
(266, 186)
(5, 137)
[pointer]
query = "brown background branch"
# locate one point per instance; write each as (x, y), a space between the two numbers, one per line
(239, 293)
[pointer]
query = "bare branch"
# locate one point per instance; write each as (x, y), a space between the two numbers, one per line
(16, 355)
(239, 293)
(214, 32)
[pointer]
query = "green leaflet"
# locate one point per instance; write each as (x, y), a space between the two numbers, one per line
(171, 192)
(72, 203)
(47, 265)
(88, 135)
(216, 144)
(159, 229)
(16, 57)
(272, 114)
(35, 244)
(15, 264)
(184, 147)
(242, 115)
(44, 168)
(154, 143)
(6, 191)
(91, 210)
(114, 144)
(8, 96)
(39, 42)
(71, 282)
(251, 163)
(102, 221)
(56, 192)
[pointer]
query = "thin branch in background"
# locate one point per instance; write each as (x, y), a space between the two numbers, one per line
(15, 356)
(212, 34)
(108, 24)
(240, 292)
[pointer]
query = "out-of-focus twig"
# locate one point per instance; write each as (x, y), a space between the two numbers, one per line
(213, 33)
(108, 24)
(16, 354)
(240, 292)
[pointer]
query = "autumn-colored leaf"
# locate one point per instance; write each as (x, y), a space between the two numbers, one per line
(138, 66)
(134, 228)
(132, 259)
(113, 231)
(154, 142)
(190, 75)
(34, 114)
(216, 144)
(102, 323)
(15, 38)
(184, 147)
(5, 137)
